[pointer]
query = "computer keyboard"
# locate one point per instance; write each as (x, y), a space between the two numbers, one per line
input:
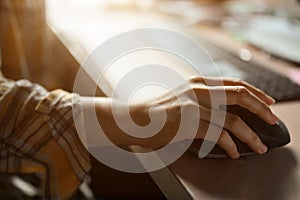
(281, 88)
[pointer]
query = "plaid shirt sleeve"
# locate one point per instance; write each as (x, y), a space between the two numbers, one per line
(38, 135)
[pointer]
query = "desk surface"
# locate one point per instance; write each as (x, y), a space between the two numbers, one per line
(275, 175)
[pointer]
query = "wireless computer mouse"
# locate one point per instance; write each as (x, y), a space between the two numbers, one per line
(271, 135)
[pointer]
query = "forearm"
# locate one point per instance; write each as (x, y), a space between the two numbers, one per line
(139, 113)
(108, 120)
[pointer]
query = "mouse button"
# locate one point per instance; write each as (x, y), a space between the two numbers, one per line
(285, 132)
(272, 135)
(271, 141)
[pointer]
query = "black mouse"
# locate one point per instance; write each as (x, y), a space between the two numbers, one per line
(271, 135)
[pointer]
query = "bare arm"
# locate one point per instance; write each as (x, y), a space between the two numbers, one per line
(237, 92)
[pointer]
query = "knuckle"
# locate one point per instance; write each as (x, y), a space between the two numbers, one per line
(237, 81)
(234, 121)
(227, 142)
(198, 89)
(187, 91)
(242, 91)
(195, 79)
(253, 139)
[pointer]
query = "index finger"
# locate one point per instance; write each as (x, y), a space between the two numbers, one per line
(243, 97)
(213, 81)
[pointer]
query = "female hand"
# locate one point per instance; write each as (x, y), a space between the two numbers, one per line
(237, 93)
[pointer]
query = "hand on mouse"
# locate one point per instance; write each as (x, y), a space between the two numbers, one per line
(237, 93)
(247, 96)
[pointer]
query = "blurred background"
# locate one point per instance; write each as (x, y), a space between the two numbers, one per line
(31, 49)
(46, 41)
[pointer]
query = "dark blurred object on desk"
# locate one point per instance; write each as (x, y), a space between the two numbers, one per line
(272, 26)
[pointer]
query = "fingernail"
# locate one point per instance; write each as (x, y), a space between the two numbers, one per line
(272, 101)
(263, 149)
